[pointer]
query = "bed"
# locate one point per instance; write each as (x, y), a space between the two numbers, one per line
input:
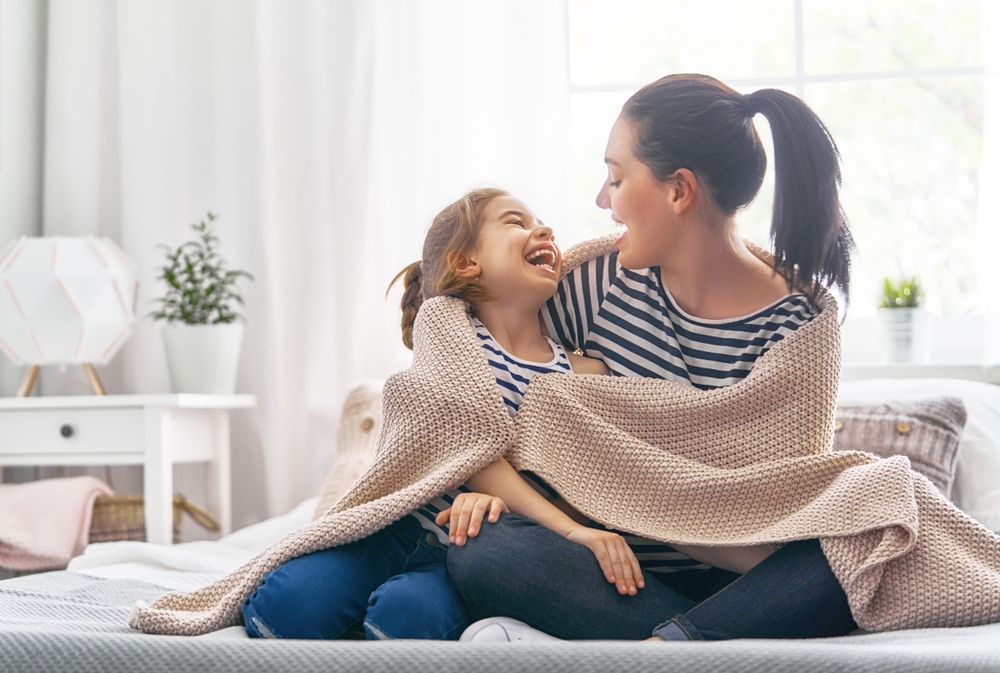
(75, 619)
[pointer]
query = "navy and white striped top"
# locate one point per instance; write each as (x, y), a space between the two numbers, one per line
(629, 319)
(512, 375)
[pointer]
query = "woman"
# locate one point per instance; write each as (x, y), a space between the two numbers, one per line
(684, 299)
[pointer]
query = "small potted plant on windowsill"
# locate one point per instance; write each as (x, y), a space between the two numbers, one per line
(903, 323)
(203, 331)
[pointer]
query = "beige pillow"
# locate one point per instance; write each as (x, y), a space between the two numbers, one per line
(925, 431)
(359, 424)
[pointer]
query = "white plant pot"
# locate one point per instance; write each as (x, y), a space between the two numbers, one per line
(203, 358)
(903, 334)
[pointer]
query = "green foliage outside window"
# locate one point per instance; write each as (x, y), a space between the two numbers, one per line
(906, 293)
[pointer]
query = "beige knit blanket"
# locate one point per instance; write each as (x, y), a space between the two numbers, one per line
(746, 464)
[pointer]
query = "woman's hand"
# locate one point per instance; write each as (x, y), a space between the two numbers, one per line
(617, 560)
(465, 516)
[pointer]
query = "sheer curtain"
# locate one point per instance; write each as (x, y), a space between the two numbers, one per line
(989, 216)
(326, 135)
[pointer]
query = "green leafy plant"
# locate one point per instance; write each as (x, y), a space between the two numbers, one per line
(906, 293)
(200, 289)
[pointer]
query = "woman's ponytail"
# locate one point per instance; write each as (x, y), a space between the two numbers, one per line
(808, 227)
(699, 123)
(413, 297)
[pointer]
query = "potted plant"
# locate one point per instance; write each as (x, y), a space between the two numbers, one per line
(203, 330)
(903, 322)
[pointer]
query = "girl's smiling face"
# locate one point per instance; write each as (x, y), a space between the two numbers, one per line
(516, 257)
(641, 203)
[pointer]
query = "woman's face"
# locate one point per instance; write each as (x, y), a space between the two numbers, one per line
(516, 253)
(637, 200)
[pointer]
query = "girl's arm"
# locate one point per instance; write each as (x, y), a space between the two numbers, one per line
(501, 480)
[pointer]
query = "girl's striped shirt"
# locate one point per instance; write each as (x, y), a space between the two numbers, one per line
(512, 376)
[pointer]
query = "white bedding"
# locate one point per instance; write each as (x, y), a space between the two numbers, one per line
(190, 565)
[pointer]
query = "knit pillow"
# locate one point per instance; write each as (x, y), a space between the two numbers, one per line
(925, 431)
(359, 424)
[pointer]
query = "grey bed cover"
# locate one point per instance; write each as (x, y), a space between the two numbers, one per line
(69, 622)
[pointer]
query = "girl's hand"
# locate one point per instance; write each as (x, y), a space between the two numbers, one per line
(619, 564)
(465, 516)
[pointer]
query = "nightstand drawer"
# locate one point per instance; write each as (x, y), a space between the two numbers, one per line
(71, 431)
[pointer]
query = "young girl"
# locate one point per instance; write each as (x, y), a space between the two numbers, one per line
(488, 249)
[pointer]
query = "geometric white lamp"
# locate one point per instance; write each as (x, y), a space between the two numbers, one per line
(65, 300)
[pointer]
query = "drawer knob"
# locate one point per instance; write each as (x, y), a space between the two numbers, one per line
(66, 430)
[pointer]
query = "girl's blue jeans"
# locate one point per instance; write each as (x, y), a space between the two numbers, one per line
(393, 583)
(517, 568)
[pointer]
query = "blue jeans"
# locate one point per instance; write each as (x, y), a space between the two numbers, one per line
(393, 584)
(517, 568)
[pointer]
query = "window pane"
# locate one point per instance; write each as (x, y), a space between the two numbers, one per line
(754, 221)
(911, 152)
(638, 41)
(877, 35)
(592, 115)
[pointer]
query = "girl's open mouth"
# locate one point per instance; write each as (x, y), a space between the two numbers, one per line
(544, 258)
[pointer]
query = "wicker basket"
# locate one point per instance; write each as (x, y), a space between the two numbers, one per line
(123, 517)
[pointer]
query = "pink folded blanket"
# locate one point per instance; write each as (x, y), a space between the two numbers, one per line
(43, 524)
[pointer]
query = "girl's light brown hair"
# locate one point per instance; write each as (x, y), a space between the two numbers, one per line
(450, 240)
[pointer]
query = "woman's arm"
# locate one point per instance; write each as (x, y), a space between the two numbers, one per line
(734, 559)
(501, 480)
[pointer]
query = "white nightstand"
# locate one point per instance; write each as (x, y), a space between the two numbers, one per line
(154, 431)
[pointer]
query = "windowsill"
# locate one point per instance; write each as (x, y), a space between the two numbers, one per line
(966, 371)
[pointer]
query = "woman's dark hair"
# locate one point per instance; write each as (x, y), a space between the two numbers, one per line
(698, 123)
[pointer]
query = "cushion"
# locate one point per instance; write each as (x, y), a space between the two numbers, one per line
(360, 420)
(925, 431)
(977, 479)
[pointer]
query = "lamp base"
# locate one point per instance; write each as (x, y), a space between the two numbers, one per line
(28, 384)
(95, 381)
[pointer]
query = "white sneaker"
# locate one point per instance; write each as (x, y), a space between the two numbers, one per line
(502, 630)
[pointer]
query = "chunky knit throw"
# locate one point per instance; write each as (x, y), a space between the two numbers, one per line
(746, 464)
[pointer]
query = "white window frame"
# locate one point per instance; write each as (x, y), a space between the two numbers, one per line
(967, 362)
(799, 80)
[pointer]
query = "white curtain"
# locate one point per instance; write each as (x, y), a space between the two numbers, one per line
(326, 135)
(989, 180)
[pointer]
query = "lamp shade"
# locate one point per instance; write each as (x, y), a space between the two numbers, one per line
(65, 300)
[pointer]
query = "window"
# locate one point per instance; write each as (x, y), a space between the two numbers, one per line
(899, 84)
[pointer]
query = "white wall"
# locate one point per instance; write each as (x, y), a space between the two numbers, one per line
(22, 105)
